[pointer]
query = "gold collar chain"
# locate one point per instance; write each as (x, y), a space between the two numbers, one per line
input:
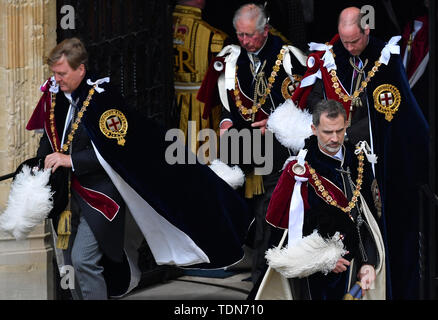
(363, 85)
(74, 126)
(320, 189)
(258, 104)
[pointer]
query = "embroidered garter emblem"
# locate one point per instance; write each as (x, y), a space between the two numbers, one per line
(113, 125)
(288, 86)
(387, 100)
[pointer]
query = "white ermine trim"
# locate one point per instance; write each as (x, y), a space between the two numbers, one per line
(234, 176)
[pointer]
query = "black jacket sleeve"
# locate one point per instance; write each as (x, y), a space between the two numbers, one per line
(315, 95)
(44, 147)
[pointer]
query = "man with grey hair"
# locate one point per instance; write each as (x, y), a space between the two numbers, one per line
(251, 80)
(251, 18)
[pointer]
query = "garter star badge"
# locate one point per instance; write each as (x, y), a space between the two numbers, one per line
(114, 125)
(387, 99)
(288, 86)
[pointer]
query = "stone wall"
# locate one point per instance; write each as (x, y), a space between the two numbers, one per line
(27, 34)
(26, 267)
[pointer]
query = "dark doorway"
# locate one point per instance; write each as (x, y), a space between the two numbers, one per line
(131, 42)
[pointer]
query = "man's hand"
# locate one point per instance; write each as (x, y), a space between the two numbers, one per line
(261, 125)
(366, 275)
(56, 160)
(225, 126)
(341, 265)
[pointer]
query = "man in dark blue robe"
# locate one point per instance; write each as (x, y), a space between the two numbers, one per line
(251, 80)
(116, 161)
(367, 76)
(326, 193)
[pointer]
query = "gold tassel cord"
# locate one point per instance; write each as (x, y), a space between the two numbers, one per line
(64, 230)
(253, 185)
(64, 224)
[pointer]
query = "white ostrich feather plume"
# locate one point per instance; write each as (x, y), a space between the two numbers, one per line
(290, 125)
(30, 201)
(306, 256)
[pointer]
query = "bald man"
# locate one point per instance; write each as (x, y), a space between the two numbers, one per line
(366, 75)
(354, 39)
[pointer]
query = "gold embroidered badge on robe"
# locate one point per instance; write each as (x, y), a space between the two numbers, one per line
(288, 86)
(387, 100)
(113, 125)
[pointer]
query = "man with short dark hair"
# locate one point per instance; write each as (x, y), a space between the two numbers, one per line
(333, 184)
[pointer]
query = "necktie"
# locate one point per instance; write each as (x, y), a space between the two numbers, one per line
(70, 118)
(357, 77)
(256, 61)
(357, 63)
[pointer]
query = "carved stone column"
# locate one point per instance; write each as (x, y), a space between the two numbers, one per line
(26, 267)
(27, 33)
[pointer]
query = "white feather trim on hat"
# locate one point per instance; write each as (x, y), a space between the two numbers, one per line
(290, 125)
(307, 256)
(234, 176)
(29, 203)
